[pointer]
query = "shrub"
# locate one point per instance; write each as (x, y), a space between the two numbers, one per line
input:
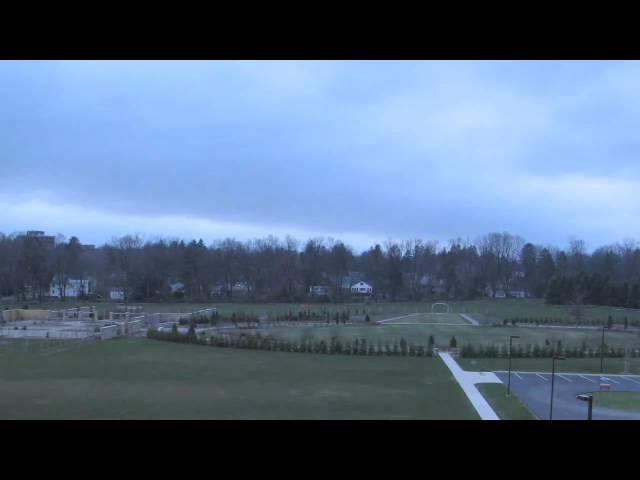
(453, 343)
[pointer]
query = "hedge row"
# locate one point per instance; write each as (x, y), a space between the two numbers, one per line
(542, 351)
(333, 347)
(309, 315)
(564, 321)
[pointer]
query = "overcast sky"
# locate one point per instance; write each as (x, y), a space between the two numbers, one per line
(360, 151)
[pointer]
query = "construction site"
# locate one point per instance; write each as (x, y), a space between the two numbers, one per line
(84, 322)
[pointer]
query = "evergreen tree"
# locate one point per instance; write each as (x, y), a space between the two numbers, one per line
(403, 346)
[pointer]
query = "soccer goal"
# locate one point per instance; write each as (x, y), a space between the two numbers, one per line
(439, 306)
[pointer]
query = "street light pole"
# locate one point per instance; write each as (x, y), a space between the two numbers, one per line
(602, 351)
(553, 372)
(587, 398)
(509, 377)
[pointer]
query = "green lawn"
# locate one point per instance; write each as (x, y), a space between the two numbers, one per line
(577, 365)
(419, 334)
(427, 318)
(485, 309)
(507, 408)
(147, 379)
(628, 401)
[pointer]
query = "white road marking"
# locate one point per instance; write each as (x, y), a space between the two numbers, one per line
(516, 374)
(469, 319)
(608, 379)
(565, 378)
(542, 377)
(396, 318)
(631, 379)
(575, 373)
(588, 379)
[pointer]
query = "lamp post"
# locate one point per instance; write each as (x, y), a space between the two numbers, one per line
(587, 398)
(553, 373)
(602, 351)
(509, 377)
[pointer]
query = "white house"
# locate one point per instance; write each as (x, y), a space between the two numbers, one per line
(116, 294)
(74, 287)
(361, 288)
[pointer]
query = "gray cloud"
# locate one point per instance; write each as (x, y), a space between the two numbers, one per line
(361, 149)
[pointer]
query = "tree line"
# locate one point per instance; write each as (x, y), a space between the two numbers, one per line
(271, 269)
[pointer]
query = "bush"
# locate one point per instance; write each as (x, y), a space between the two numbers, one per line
(453, 343)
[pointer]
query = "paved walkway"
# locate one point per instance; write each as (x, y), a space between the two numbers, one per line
(467, 381)
(469, 319)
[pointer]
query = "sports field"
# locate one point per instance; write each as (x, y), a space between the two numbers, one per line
(147, 379)
(486, 310)
(424, 318)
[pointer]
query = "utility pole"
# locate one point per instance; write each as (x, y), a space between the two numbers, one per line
(509, 377)
(602, 352)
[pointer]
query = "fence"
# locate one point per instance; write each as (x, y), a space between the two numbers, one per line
(121, 308)
(169, 317)
(79, 313)
(44, 333)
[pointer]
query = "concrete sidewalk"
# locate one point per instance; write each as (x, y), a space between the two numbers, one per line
(469, 319)
(467, 381)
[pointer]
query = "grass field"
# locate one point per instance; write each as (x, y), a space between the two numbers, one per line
(419, 334)
(146, 379)
(628, 401)
(427, 318)
(577, 365)
(507, 408)
(486, 309)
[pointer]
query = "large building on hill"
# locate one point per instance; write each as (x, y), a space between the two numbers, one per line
(48, 241)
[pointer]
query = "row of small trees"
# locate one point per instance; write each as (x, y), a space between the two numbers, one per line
(302, 315)
(305, 345)
(311, 315)
(542, 351)
(609, 322)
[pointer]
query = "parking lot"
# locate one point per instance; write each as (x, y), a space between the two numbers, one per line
(534, 390)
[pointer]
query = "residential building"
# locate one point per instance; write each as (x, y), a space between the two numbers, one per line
(73, 287)
(361, 288)
(116, 294)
